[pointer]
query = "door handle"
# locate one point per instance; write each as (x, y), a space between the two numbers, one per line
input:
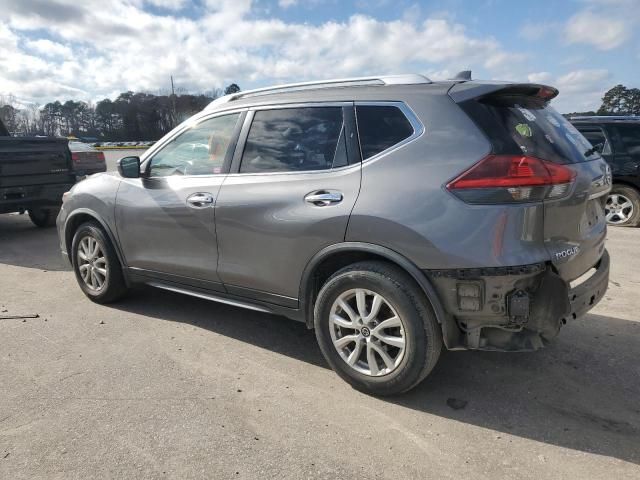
(200, 200)
(323, 198)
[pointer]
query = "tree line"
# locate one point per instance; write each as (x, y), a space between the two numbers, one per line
(618, 100)
(145, 116)
(131, 116)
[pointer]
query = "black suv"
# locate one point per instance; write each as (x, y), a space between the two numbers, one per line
(619, 141)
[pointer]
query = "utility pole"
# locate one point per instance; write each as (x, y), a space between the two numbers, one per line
(173, 100)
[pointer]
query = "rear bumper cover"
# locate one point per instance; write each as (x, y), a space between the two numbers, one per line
(585, 296)
(521, 308)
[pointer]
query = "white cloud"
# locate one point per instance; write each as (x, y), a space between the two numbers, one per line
(168, 4)
(598, 29)
(287, 3)
(540, 77)
(124, 47)
(537, 30)
(49, 48)
(581, 90)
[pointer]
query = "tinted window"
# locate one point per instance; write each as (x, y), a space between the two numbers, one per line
(596, 137)
(199, 150)
(295, 139)
(517, 125)
(381, 127)
(630, 138)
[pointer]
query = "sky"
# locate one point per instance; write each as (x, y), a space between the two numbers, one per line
(91, 49)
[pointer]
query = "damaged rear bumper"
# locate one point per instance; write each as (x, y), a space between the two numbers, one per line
(585, 296)
(513, 308)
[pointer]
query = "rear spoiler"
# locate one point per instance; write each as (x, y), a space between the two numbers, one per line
(461, 92)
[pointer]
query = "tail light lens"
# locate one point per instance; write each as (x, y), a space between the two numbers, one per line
(75, 157)
(512, 179)
(100, 157)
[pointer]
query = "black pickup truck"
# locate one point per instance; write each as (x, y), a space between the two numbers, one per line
(34, 173)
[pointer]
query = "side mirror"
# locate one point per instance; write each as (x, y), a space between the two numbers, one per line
(129, 167)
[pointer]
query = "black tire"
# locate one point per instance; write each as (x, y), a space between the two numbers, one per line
(423, 335)
(44, 217)
(114, 286)
(633, 196)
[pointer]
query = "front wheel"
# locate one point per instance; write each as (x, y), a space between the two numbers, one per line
(623, 206)
(376, 328)
(96, 264)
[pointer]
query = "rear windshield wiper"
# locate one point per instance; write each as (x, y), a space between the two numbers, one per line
(596, 148)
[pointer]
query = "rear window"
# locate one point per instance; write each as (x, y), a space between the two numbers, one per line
(80, 147)
(525, 125)
(381, 127)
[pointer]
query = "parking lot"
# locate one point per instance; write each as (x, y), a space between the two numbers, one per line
(168, 386)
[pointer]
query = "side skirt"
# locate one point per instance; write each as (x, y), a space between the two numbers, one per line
(136, 276)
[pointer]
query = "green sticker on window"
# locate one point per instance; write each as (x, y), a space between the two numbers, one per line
(524, 130)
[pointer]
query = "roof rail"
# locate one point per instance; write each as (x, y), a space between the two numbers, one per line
(605, 117)
(409, 79)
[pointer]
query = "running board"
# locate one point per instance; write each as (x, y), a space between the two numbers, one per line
(213, 298)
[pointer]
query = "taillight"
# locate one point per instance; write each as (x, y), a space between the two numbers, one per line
(512, 179)
(75, 157)
(100, 156)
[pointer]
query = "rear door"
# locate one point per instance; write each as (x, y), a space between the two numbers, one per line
(293, 184)
(574, 226)
(518, 122)
(626, 140)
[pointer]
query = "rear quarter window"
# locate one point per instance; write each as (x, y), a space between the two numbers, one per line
(526, 126)
(380, 127)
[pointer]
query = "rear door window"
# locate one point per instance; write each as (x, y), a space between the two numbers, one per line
(381, 127)
(522, 125)
(596, 136)
(295, 140)
(630, 138)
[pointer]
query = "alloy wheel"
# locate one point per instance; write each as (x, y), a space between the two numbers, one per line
(367, 332)
(92, 263)
(618, 209)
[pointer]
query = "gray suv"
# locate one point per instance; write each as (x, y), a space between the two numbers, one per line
(393, 215)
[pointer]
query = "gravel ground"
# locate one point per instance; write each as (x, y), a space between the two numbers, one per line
(167, 386)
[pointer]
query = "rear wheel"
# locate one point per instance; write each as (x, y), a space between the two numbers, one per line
(96, 264)
(376, 328)
(43, 217)
(623, 206)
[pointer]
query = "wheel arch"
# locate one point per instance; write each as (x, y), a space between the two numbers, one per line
(332, 258)
(627, 183)
(83, 215)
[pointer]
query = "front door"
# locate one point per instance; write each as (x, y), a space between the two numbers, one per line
(292, 186)
(165, 220)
